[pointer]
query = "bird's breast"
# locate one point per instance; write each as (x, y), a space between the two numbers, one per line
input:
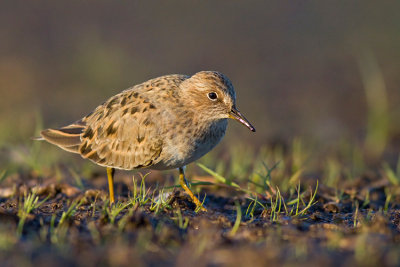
(187, 143)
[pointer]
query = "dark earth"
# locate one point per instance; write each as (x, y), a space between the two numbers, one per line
(353, 230)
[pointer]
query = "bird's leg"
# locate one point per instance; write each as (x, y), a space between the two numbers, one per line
(183, 182)
(110, 175)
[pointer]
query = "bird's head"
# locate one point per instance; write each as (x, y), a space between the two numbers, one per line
(211, 94)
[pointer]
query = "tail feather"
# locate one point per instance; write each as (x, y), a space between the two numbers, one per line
(73, 149)
(67, 138)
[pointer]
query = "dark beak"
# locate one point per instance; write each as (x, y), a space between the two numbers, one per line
(236, 115)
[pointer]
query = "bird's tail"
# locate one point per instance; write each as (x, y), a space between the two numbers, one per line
(67, 138)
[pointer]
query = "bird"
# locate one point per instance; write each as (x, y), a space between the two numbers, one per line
(161, 124)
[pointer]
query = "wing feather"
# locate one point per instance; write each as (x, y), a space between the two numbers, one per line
(121, 133)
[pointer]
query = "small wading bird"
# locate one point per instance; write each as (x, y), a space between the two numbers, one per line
(164, 123)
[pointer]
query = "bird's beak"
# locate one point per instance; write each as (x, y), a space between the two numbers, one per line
(236, 115)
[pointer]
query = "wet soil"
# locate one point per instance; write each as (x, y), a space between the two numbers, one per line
(361, 228)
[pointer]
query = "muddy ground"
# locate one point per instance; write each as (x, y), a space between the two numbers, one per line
(359, 228)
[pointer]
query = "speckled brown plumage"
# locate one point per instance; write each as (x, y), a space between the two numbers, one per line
(164, 123)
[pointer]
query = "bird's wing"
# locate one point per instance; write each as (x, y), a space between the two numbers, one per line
(122, 133)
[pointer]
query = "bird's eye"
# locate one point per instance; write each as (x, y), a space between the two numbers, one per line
(212, 96)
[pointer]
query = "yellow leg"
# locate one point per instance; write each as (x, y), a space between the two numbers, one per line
(183, 183)
(110, 175)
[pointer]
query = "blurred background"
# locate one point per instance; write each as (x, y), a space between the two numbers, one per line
(305, 68)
